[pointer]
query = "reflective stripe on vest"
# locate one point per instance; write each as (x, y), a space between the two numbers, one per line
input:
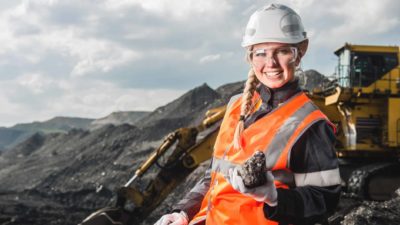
(274, 134)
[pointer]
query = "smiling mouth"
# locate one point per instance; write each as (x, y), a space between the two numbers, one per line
(275, 74)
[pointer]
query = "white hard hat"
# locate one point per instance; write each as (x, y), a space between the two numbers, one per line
(274, 23)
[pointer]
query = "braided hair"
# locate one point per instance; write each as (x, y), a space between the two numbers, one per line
(247, 97)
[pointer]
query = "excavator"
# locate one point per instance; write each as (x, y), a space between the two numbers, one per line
(363, 101)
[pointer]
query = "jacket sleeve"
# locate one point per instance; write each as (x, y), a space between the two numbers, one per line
(316, 173)
(191, 203)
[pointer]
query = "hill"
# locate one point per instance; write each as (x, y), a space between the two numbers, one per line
(118, 118)
(10, 137)
(69, 174)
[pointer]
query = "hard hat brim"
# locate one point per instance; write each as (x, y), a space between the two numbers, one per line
(255, 41)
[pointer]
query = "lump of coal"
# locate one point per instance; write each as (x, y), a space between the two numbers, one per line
(253, 171)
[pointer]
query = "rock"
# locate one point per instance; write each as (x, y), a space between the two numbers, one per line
(374, 213)
(253, 171)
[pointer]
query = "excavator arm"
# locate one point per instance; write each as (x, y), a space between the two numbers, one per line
(193, 146)
(183, 149)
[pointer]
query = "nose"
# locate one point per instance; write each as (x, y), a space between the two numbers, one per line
(270, 61)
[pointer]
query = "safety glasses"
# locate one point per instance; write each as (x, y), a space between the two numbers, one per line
(285, 55)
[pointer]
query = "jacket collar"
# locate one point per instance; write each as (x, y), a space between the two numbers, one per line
(275, 97)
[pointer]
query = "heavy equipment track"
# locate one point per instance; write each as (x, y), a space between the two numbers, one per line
(374, 182)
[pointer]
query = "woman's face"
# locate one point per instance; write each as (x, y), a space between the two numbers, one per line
(274, 63)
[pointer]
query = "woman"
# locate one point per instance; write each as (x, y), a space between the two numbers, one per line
(273, 116)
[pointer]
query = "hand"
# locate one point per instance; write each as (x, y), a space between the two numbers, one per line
(266, 193)
(173, 219)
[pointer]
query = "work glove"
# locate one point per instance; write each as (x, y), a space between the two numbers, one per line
(173, 219)
(265, 193)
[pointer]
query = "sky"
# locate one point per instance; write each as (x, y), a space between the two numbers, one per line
(88, 58)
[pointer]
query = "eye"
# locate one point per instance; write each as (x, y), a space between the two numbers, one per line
(259, 53)
(283, 51)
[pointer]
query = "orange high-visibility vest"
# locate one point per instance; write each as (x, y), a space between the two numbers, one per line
(274, 134)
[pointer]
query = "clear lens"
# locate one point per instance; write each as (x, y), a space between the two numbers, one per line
(283, 54)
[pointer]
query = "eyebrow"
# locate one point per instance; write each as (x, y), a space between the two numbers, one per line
(254, 50)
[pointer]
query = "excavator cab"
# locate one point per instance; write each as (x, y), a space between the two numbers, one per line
(370, 68)
(369, 97)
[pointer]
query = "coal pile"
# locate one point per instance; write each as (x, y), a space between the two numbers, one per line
(375, 213)
(118, 118)
(61, 178)
(311, 79)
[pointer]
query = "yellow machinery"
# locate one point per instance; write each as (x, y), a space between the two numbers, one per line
(190, 150)
(364, 103)
(180, 152)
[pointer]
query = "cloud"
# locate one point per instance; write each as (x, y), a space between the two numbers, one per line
(99, 99)
(35, 82)
(210, 58)
(56, 55)
(176, 9)
(351, 21)
(73, 98)
(30, 37)
(98, 56)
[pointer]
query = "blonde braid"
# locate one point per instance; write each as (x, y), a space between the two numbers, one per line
(247, 97)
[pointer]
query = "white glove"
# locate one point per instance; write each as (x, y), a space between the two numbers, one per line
(173, 219)
(266, 193)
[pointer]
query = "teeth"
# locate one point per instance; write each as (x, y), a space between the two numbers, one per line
(271, 74)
